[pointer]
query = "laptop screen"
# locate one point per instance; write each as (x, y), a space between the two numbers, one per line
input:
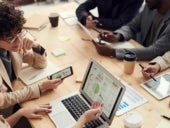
(100, 85)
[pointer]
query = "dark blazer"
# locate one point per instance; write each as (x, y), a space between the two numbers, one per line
(142, 23)
(112, 13)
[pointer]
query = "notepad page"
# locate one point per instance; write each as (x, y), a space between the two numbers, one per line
(30, 75)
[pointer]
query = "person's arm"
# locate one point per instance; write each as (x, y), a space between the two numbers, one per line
(35, 112)
(36, 58)
(10, 98)
(156, 65)
(129, 31)
(159, 47)
(150, 70)
(126, 11)
(104, 49)
(92, 114)
(82, 11)
(14, 118)
(163, 61)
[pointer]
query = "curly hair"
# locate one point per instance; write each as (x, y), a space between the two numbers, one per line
(11, 20)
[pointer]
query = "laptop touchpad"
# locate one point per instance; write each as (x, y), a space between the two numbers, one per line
(63, 120)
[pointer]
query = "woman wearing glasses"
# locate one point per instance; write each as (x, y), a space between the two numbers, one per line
(15, 49)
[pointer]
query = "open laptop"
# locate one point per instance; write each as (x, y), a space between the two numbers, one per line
(118, 45)
(98, 85)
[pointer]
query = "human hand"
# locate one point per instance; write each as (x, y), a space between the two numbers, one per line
(50, 85)
(104, 49)
(150, 70)
(90, 23)
(109, 37)
(28, 44)
(93, 113)
(35, 112)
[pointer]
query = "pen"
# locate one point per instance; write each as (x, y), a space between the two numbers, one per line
(152, 77)
(141, 66)
(166, 117)
(149, 75)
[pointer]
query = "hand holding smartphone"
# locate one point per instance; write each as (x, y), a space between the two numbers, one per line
(62, 74)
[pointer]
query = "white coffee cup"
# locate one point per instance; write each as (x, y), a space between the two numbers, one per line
(133, 120)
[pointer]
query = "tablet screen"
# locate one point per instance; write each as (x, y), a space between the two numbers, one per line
(160, 88)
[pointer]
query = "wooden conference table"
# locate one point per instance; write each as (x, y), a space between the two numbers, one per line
(77, 53)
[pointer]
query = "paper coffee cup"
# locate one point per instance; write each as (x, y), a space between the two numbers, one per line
(54, 19)
(133, 120)
(129, 62)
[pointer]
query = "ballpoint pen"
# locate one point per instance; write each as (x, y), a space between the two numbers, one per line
(149, 75)
(166, 117)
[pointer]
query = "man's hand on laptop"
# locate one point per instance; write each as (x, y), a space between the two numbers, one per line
(49, 85)
(104, 49)
(89, 115)
(109, 37)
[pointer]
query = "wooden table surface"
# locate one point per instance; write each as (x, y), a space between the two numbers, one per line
(77, 54)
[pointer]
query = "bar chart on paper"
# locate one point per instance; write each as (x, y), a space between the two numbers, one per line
(130, 100)
(123, 105)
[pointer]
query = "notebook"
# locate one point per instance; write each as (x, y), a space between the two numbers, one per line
(37, 22)
(118, 45)
(98, 85)
(30, 75)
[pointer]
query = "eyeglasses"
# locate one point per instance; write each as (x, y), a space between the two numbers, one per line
(11, 39)
(23, 33)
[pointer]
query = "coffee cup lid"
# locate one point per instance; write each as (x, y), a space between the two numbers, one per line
(53, 14)
(133, 120)
(130, 56)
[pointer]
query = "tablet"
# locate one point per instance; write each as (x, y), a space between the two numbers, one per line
(159, 88)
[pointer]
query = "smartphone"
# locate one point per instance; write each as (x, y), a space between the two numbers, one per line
(62, 74)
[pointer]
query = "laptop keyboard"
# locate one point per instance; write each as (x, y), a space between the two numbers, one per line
(76, 106)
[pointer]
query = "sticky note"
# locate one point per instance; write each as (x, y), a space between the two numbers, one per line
(58, 52)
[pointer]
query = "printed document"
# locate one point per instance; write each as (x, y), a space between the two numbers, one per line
(130, 100)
